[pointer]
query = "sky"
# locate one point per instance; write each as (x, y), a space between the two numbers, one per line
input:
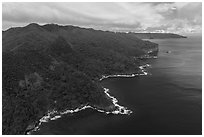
(171, 17)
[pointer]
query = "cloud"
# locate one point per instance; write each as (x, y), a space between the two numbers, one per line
(154, 17)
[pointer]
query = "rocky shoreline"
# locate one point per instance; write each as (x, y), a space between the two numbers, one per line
(115, 108)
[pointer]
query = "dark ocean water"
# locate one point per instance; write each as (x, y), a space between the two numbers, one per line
(167, 102)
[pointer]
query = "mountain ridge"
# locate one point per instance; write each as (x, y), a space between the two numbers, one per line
(54, 67)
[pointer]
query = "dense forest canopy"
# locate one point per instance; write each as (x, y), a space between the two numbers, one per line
(58, 67)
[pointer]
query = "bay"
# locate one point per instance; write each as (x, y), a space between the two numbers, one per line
(168, 102)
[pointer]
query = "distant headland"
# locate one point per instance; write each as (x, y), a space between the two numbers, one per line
(156, 35)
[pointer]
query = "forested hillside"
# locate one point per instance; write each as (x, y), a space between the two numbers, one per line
(58, 67)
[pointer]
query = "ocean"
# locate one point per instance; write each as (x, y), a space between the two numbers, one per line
(168, 101)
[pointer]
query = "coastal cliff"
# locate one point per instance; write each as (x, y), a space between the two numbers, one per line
(57, 69)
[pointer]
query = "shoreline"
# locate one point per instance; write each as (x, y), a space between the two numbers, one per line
(54, 115)
(142, 68)
(115, 108)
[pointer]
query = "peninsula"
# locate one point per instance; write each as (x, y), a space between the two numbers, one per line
(52, 69)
